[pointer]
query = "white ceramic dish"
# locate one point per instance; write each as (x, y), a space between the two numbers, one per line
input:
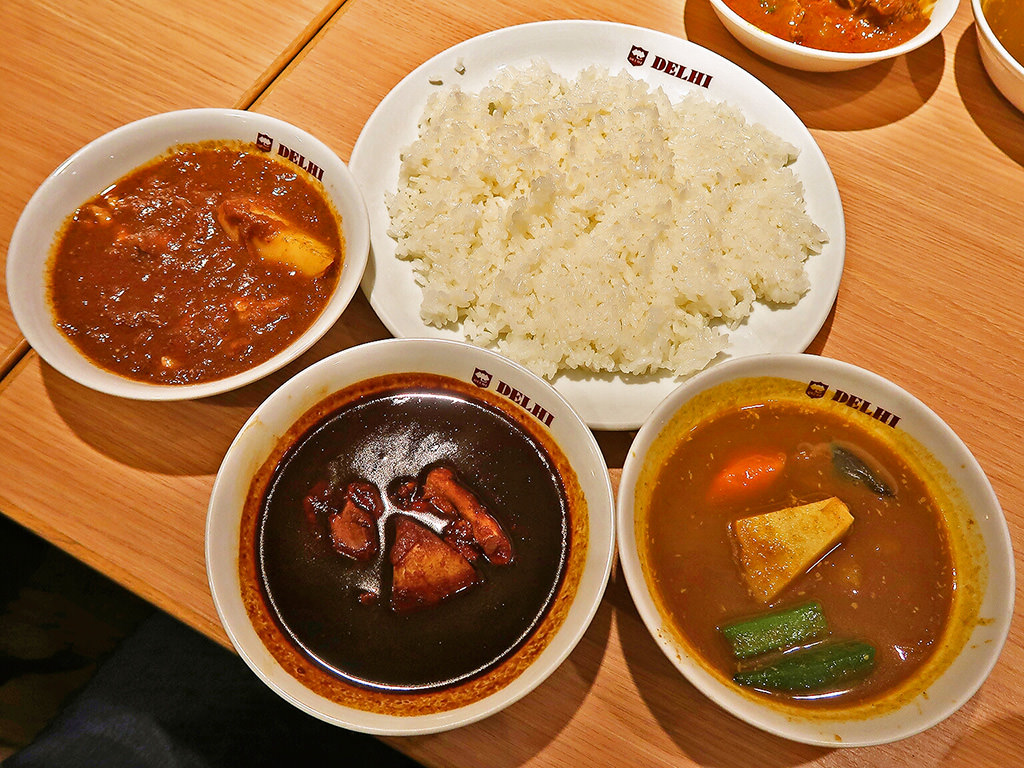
(987, 538)
(796, 56)
(1006, 72)
(98, 164)
(604, 401)
(273, 418)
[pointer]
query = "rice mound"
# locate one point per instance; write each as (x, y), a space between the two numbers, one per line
(592, 224)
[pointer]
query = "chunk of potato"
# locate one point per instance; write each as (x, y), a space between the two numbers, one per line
(296, 249)
(272, 238)
(775, 547)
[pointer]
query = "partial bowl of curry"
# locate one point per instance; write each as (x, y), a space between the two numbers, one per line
(409, 535)
(999, 25)
(833, 35)
(187, 254)
(815, 550)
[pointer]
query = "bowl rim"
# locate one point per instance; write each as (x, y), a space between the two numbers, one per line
(936, 24)
(752, 711)
(294, 396)
(985, 31)
(22, 257)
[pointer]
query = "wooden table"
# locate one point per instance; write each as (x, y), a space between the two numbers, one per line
(929, 160)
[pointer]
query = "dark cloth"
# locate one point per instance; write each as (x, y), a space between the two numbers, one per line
(171, 698)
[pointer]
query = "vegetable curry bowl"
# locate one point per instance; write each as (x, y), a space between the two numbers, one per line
(187, 254)
(815, 550)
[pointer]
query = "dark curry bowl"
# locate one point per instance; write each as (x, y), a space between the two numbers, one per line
(409, 535)
(815, 550)
(95, 167)
(803, 57)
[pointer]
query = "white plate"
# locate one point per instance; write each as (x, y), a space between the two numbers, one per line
(604, 401)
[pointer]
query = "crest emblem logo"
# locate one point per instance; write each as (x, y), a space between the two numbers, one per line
(482, 378)
(637, 56)
(264, 142)
(817, 389)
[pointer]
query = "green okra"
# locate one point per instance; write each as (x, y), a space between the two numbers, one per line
(776, 631)
(812, 668)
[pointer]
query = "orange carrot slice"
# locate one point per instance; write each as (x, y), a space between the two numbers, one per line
(746, 475)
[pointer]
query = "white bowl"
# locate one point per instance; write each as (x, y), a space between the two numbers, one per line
(978, 531)
(1005, 71)
(98, 164)
(253, 447)
(802, 57)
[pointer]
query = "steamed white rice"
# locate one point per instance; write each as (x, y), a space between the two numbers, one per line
(592, 224)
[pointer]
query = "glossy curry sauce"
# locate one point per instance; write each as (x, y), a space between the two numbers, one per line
(336, 609)
(145, 281)
(888, 582)
(846, 26)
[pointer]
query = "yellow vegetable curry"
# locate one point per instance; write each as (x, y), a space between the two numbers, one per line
(771, 505)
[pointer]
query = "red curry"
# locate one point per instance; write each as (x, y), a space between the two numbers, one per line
(182, 271)
(845, 26)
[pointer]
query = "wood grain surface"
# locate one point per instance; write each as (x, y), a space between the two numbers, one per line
(929, 160)
(75, 70)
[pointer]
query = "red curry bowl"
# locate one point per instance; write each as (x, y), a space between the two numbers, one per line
(99, 164)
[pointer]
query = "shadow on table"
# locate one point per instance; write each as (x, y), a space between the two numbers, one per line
(187, 437)
(817, 345)
(512, 736)
(702, 730)
(994, 743)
